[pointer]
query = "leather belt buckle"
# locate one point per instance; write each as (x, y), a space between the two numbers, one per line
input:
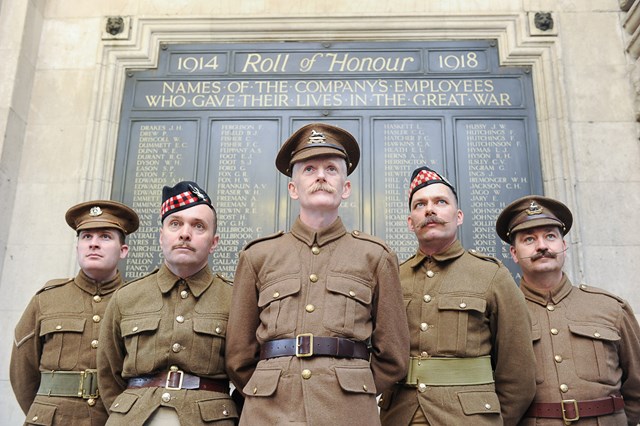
(304, 345)
(87, 383)
(170, 383)
(570, 402)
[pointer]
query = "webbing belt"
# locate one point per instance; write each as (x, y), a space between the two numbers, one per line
(80, 384)
(449, 371)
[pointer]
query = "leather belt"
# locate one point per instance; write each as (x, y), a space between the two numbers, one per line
(178, 379)
(440, 371)
(79, 384)
(571, 410)
(307, 345)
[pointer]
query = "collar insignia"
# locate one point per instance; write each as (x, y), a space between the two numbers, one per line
(95, 211)
(533, 209)
(317, 137)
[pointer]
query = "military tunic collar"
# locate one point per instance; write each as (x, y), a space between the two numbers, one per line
(542, 297)
(454, 251)
(320, 237)
(92, 287)
(197, 283)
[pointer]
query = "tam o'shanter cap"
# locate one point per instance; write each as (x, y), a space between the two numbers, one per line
(424, 176)
(318, 139)
(532, 211)
(100, 214)
(182, 196)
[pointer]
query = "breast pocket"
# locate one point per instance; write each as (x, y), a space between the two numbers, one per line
(278, 303)
(209, 335)
(347, 309)
(595, 352)
(62, 338)
(462, 324)
(536, 335)
(139, 335)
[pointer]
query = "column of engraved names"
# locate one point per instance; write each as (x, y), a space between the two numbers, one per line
(159, 156)
(237, 194)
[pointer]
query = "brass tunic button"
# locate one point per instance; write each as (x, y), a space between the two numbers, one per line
(58, 327)
(365, 388)
(487, 406)
(225, 412)
(94, 344)
(430, 273)
(424, 354)
(315, 250)
(426, 298)
(218, 330)
(352, 293)
(176, 347)
(91, 402)
(310, 308)
(184, 294)
(551, 308)
(306, 374)
(96, 318)
(564, 388)
(180, 319)
(97, 298)
(276, 295)
(583, 286)
(463, 305)
(558, 358)
(255, 390)
(554, 331)
(424, 326)
(134, 329)
(596, 334)
(313, 278)
(356, 233)
(472, 251)
(34, 418)
(166, 397)
(422, 387)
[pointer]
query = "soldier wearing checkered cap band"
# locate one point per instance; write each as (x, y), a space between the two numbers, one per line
(163, 363)
(471, 355)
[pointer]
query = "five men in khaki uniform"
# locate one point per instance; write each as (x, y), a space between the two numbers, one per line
(317, 325)
(472, 361)
(162, 361)
(53, 362)
(586, 340)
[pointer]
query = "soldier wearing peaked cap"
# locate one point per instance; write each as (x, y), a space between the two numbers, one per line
(163, 358)
(53, 362)
(313, 330)
(471, 356)
(586, 340)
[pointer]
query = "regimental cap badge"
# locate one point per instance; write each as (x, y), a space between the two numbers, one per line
(534, 209)
(95, 211)
(198, 193)
(317, 137)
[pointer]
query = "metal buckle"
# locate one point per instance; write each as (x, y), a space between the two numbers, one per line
(88, 379)
(564, 411)
(174, 370)
(299, 344)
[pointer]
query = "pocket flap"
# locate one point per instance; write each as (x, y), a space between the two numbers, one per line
(263, 382)
(595, 332)
(62, 325)
(478, 402)
(279, 290)
(132, 326)
(217, 409)
(462, 303)
(350, 288)
(40, 414)
(356, 380)
(123, 402)
(212, 326)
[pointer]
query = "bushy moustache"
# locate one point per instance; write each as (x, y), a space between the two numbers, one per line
(431, 219)
(321, 186)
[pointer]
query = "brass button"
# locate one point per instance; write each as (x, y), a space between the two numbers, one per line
(218, 330)
(472, 251)
(184, 294)
(134, 329)
(430, 274)
(596, 334)
(174, 368)
(176, 347)
(97, 298)
(255, 390)
(310, 308)
(422, 387)
(225, 412)
(352, 293)
(426, 298)
(551, 308)
(424, 326)
(94, 344)
(583, 286)
(558, 358)
(58, 327)
(313, 278)
(306, 374)
(554, 331)
(91, 402)
(315, 250)
(424, 354)
(463, 305)
(487, 406)
(180, 319)
(276, 295)
(356, 233)
(564, 388)
(166, 397)
(365, 388)
(34, 418)
(96, 318)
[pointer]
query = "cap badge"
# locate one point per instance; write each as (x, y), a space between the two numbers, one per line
(197, 192)
(317, 137)
(533, 209)
(95, 211)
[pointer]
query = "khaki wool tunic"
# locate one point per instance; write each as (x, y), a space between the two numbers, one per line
(59, 330)
(161, 321)
(587, 346)
(463, 304)
(328, 283)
